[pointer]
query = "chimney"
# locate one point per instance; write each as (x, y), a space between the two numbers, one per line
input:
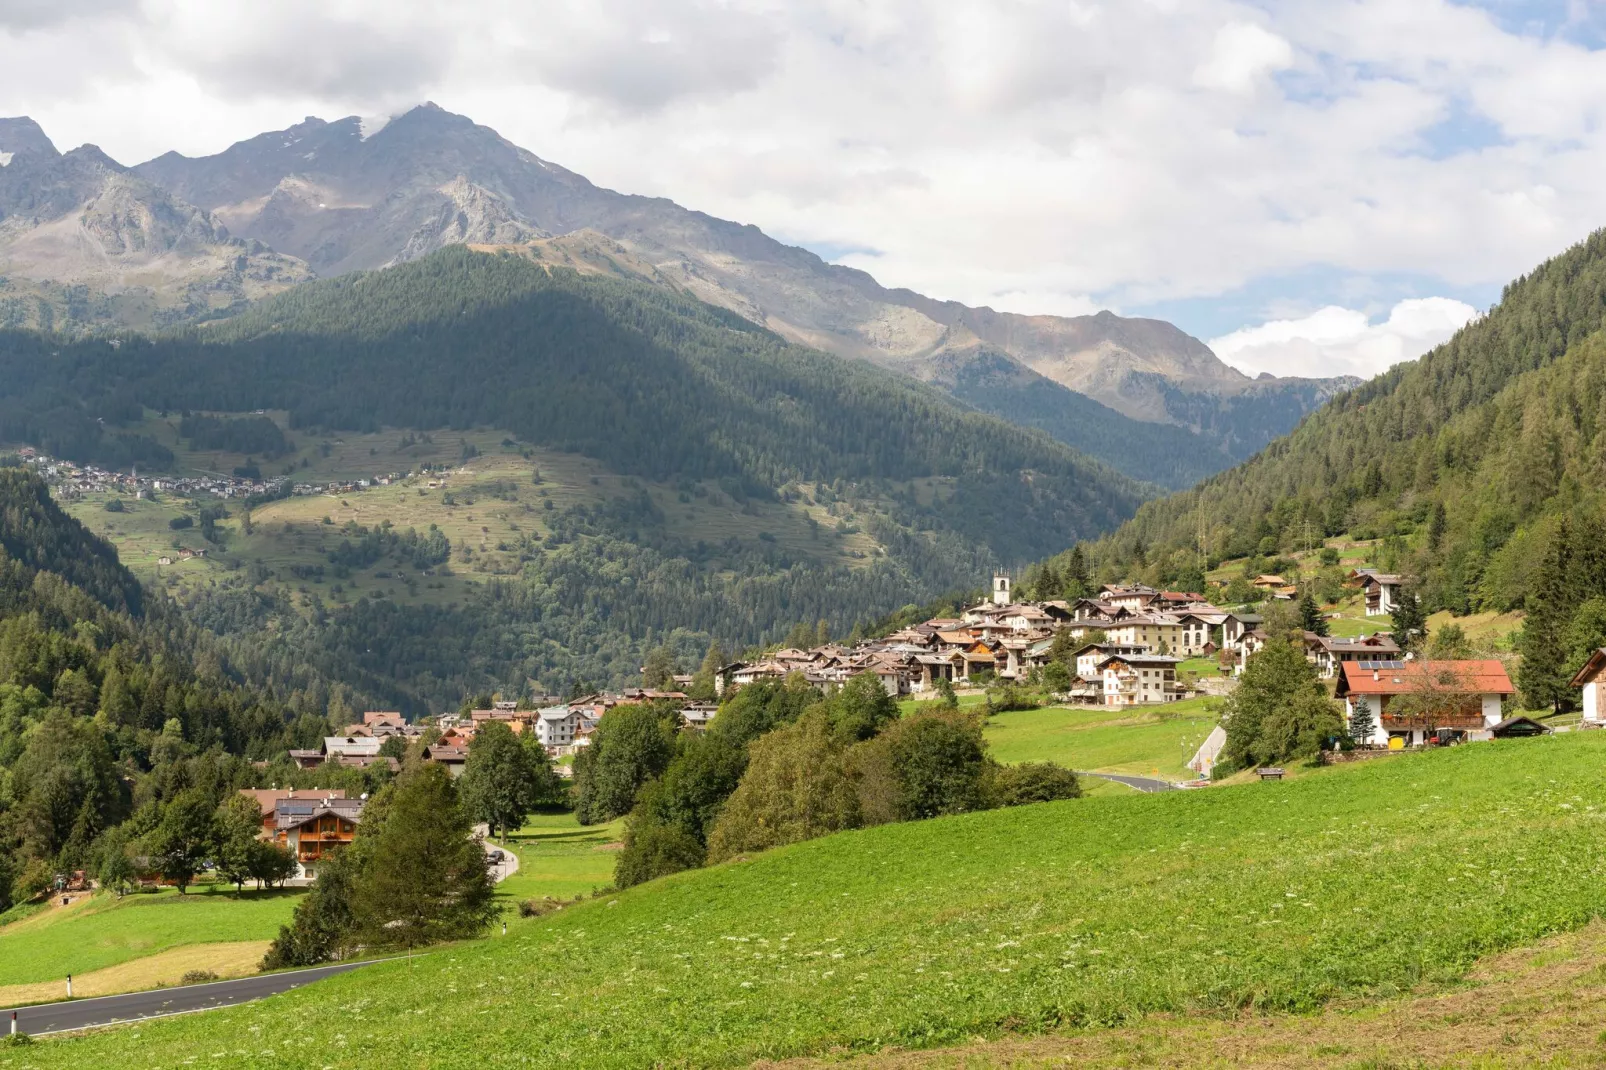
(1374, 674)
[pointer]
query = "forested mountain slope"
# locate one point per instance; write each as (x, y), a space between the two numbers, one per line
(101, 712)
(698, 406)
(1461, 461)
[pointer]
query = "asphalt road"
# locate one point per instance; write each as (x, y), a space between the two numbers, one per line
(1142, 783)
(132, 1006)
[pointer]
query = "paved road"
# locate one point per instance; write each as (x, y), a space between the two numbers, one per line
(109, 1010)
(1142, 783)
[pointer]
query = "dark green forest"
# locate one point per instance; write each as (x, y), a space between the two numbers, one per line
(113, 706)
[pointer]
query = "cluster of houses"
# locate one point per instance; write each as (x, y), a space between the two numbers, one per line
(69, 480)
(1135, 638)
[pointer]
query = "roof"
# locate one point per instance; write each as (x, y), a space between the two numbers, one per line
(1142, 659)
(438, 753)
(1483, 677)
(290, 813)
(1385, 578)
(1519, 726)
(268, 798)
(351, 745)
(1381, 643)
(1591, 668)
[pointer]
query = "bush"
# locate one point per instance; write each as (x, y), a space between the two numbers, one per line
(114, 505)
(197, 977)
(653, 849)
(1011, 696)
(926, 765)
(1033, 782)
(179, 523)
(536, 908)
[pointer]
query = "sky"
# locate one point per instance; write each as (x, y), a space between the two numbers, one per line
(1314, 188)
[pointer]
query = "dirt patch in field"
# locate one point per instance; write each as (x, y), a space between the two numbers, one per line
(233, 959)
(1539, 1006)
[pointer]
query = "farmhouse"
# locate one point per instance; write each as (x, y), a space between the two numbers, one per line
(1590, 678)
(1410, 702)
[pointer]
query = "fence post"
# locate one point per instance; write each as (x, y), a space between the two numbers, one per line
(69, 986)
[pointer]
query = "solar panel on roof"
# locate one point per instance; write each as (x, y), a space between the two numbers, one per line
(1381, 664)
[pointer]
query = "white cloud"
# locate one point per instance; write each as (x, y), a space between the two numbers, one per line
(1061, 153)
(1242, 55)
(1343, 341)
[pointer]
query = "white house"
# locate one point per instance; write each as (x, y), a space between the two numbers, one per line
(1382, 590)
(1589, 678)
(351, 746)
(1136, 679)
(1410, 701)
(555, 726)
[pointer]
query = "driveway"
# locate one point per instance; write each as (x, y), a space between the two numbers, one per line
(161, 1002)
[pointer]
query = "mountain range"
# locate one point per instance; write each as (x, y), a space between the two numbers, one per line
(86, 242)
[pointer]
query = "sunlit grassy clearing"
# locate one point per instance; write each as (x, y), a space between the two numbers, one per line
(560, 859)
(105, 931)
(1146, 741)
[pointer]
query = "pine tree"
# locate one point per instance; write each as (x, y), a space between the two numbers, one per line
(424, 877)
(1362, 725)
(1410, 621)
(1078, 581)
(1310, 615)
(1542, 674)
(660, 668)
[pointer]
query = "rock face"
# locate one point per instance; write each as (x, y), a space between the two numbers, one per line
(332, 197)
(85, 238)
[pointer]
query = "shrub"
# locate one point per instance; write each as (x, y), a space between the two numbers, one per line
(197, 977)
(796, 788)
(179, 523)
(654, 849)
(114, 505)
(1004, 697)
(1033, 782)
(925, 765)
(536, 908)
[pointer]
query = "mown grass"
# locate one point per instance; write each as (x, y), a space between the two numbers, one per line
(559, 858)
(104, 931)
(1144, 741)
(1363, 881)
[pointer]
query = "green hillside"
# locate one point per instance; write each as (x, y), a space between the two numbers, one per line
(1458, 464)
(1363, 881)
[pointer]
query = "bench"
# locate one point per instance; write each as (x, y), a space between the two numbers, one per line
(1269, 773)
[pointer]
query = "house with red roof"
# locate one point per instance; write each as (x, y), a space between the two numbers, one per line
(1412, 702)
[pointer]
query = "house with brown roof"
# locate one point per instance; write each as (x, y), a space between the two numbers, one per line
(1413, 701)
(1381, 590)
(1589, 678)
(314, 827)
(1327, 653)
(453, 758)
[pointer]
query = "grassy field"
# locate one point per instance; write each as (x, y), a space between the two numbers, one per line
(485, 504)
(1361, 882)
(1153, 741)
(561, 859)
(104, 931)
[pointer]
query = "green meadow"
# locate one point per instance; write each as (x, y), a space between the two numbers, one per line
(1359, 882)
(105, 931)
(560, 859)
(1143, 741)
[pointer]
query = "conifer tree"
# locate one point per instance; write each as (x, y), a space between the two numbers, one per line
(1410, 620)
(1078, 581)
(424, 878)
(1310, 615)
(1543, 674)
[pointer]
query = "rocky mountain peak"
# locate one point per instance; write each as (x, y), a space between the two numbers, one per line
(21, 135)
